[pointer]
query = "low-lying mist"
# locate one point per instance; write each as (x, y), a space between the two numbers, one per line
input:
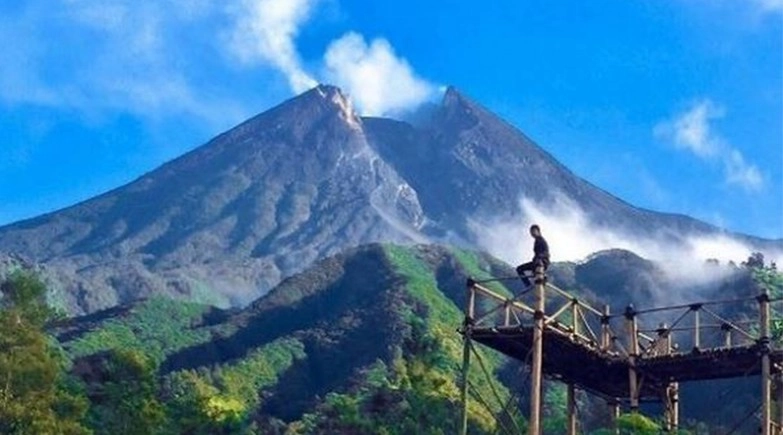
(573, 236)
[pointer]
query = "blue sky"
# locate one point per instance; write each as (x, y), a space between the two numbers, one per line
(671, 105)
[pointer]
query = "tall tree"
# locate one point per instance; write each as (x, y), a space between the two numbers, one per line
(33, 398)
(125, 402)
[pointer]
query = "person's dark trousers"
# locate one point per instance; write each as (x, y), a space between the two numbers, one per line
(531, 267)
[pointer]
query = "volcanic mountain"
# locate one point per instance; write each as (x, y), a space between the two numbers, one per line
(309, 178)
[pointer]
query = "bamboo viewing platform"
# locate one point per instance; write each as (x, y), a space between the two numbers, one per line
(613, 356)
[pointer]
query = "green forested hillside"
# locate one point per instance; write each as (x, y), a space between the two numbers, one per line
(364, 342)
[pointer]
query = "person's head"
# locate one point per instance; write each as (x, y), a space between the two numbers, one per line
(535, 231)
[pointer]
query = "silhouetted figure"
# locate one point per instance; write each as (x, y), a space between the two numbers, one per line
(540, 255)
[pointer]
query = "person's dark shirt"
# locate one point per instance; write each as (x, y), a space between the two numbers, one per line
(541, 249)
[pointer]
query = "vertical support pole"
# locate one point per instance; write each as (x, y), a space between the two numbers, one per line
(466, 338)
(766, 384)
(780, 402)
(465, 368)
(571, 409)
(575, 317)
(672, 402)
(538, 349)
(470, 308)
(633, 344)
(614, 408)
(606, 334)
(674, 398)
(674, 392)
(507, 314)
(726, 328)
(671, 390)
(696, 327)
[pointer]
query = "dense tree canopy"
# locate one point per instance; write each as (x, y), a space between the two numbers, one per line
(115, 375)
(34, 395)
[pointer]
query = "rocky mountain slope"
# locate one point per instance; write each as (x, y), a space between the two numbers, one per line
(227, 221)
(309, 178)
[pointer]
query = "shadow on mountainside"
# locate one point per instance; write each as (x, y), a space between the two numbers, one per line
(342, 287)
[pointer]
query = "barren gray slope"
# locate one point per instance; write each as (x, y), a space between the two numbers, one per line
(466, 163)
(231, 218)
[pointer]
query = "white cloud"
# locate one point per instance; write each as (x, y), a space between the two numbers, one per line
(377, 79)
(740, 172)
(573, 236)
(692, 131)
(265, 32)
(738, 8)
(770, 5)
(108, 57)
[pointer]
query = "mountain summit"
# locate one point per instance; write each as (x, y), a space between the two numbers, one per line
(227, 221)
(306, 179)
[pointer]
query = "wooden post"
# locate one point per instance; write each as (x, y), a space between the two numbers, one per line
(726, 328)
(574, 318)
(672, 403)
(536, 369)
(671, 391)
(779, 378)
(696, 327)
(766, 384)
(606, 334)
(674, 399)
(471, 305)
(633, 343)
(614, 406)
(465, 368)
(571, 409)
(466, 337)
(674, 393)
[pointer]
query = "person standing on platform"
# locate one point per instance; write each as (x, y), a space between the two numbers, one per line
(540, 255)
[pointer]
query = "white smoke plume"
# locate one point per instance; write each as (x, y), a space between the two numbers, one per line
(378, 80)
(265, 32)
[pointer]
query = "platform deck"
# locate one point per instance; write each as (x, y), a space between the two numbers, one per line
(606, 374)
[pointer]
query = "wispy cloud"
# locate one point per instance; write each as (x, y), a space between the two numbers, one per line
(741, 173)
(376, 78)
(692, 131)
(266, 32)
(769, 5)
(574, 236)
(111, 56)
(753, 7)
